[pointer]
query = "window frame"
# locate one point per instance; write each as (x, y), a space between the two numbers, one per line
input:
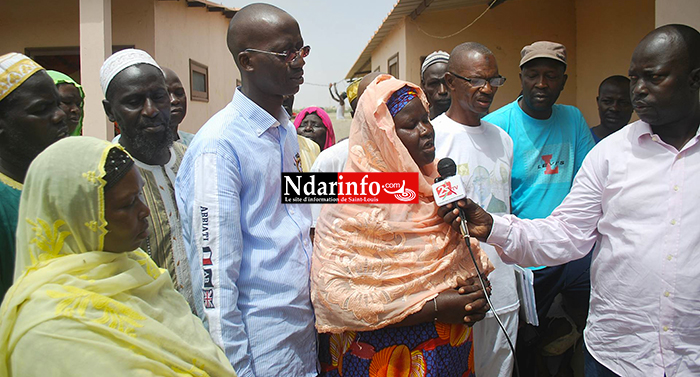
(196, 95)
(389, 64)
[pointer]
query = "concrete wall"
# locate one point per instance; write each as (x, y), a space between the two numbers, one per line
(678, 12)
(505, 30)
(183, 33)
(600, 36)
(394, 42)
(38, 23)
(606, 34)
(49, 23)
(133, 24)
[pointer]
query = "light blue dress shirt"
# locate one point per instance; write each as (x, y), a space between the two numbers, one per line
(250, 254)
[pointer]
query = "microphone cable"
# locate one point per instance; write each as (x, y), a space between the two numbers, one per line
(465, 236)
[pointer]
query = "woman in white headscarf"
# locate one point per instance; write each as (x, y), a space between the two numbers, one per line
(85, 300)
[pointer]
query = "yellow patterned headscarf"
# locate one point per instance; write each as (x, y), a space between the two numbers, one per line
(352, 89)
(15, 69)
(83, 309)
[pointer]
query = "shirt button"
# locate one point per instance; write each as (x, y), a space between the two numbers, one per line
(669, 257)
(291, 211)
(665, 328)
(673, 222)
(667, 293)
(676, 188)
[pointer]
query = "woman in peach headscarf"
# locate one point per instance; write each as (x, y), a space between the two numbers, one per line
(384, 276)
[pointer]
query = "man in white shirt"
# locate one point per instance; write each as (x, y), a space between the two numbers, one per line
(484, 156)
(636, 197)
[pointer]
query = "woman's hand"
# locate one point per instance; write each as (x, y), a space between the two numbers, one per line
(465, 305)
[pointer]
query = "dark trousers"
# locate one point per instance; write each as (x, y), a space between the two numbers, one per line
(595, 369)
(572, 280)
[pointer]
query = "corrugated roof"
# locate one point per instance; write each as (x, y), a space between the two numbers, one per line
(401, 9)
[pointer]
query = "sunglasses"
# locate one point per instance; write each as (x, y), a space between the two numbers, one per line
(288, 56)
(479, 82)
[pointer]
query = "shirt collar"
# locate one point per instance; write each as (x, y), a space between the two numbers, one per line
(260, 119)
(642, 128)
(10, 182)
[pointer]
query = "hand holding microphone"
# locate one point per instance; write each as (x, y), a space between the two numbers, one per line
(456, 209)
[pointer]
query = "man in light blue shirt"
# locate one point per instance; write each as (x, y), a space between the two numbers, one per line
(550, 142)
(250, 254)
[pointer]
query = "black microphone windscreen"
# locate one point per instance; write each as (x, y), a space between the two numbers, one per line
(446, 167)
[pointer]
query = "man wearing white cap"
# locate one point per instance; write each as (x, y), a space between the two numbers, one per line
(549, 144)
(432, 81)
(30, 121)
(137, 99)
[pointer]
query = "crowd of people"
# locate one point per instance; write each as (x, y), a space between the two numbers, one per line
(166, 253)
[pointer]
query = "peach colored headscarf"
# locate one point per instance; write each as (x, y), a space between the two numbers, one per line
(375, 264)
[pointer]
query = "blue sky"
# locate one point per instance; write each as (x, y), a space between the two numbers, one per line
(337, 32)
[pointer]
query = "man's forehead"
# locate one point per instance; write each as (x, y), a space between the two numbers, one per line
(39, 85)
(662, 50)
(436, 70)
(138, 76)
(614, 88)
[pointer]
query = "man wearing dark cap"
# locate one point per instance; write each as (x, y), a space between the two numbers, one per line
(636, 198)
(432, 81)
(614, 106)
(549, 143)
(250, 252)
(30, 121)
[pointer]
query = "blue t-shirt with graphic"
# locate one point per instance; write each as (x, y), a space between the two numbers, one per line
(546, 156)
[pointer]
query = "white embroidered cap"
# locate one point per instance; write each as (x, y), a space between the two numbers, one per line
(120, 61)
(15, 68)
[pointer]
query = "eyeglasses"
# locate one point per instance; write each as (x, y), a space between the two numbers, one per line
(479, 82)
(288, 56)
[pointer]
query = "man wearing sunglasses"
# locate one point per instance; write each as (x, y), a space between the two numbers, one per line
(250, 253)
(549, 144)
(484, 156)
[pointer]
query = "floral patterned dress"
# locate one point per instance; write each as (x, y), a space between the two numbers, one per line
(424, 350)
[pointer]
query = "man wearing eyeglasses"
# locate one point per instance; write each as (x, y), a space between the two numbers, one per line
(484, 156)
(249, 252)
(549, 144)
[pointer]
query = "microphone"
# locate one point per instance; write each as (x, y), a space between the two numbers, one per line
(449, 188)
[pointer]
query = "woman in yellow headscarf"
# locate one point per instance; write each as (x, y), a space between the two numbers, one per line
(85, 300)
